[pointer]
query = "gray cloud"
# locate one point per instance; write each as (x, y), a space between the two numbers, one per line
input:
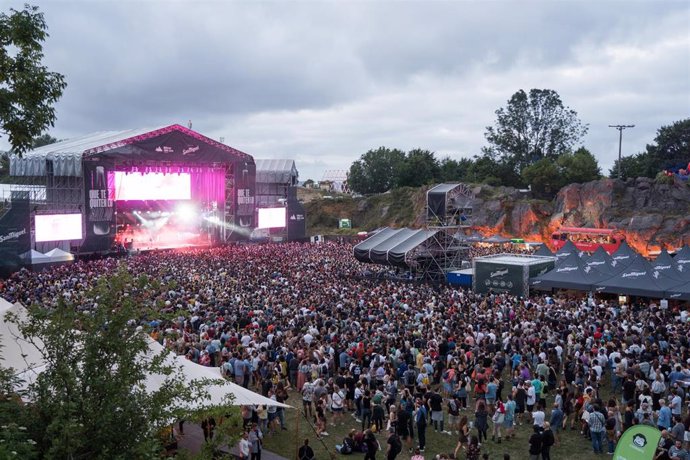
(322, 82)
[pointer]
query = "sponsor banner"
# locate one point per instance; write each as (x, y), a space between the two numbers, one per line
(493, 277)
(639, 442)
(100, 208)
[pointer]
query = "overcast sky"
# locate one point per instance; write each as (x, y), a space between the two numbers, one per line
(323, 82)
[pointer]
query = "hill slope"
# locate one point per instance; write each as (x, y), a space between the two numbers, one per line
(651, 214)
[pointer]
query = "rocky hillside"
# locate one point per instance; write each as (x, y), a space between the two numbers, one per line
(651, 214)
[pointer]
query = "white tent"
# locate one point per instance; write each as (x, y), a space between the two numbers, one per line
(16, 351)
(35, 257)
(217, 391)
(58, 255)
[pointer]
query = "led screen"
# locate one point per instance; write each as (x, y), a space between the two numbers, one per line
(58, 227)
(151, 186)
(271, 218)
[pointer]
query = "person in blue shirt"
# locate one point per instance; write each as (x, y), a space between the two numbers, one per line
(490, 395)
(420, 419)
(556, 421)
(663, 421)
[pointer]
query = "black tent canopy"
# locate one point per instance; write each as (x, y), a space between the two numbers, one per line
(636, 279)
(666, 266)
(543, 251)
(570, 273)
(679, 292)
(624, 255)
(682, 261)
(601, 261)
(567, 249)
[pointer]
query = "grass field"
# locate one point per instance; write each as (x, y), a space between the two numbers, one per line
(573, 446)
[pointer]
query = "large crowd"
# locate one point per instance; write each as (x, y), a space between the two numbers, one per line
(394, 360)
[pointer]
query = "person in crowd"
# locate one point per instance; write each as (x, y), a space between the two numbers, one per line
(262, 312)
(421, 422)
(547, 440)
(481, 421)
(535, 443)
(244, 446)
(305, 452)
(255, 439)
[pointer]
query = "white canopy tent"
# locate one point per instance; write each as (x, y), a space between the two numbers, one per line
(58, 255)
(26, 359)
(217, 391)
(16, 351)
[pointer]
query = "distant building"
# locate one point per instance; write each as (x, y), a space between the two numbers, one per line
(337, 180)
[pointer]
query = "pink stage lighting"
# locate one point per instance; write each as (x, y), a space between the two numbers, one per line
(151, 186)
(58, 227)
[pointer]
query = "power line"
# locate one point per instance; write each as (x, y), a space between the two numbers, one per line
(620, 129)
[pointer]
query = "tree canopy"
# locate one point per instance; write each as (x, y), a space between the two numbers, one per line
(531, 127)
(91, 400)
(28, 89)
(669, 151)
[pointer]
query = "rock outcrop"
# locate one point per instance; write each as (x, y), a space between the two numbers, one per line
(652, 215)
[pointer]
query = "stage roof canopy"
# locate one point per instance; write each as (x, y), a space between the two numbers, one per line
(392, 246)
(165, 143)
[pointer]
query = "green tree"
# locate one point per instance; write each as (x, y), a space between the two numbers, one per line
(376, 171)
(579, 167)
(420, 167)
(454, 170)
(43, 139)
(91, 400)
(488, 170)
(669, 151)
(531, 127)
(28, 89)
(544, 178)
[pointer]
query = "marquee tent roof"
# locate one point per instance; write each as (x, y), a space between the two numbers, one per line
(363, 249)
(679, 292)
(27, 360)
(566, 250)
(666, 266)
(543, 251)
(16, 351)
(601, 261)
(682, 261)
(397, 256)
(217, 391)
(379, 253)
(58, 255)
(34, 257)
(624, 255)
(570, 273)
(391, 246)
(636, 279)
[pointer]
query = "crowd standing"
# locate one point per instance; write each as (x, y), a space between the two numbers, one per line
(396, 360)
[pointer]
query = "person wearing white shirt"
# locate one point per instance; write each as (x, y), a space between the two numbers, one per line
(243, 446)
(538, 417)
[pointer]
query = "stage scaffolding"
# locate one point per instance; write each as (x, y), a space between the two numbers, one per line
(448, 215)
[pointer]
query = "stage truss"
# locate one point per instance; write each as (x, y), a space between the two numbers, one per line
(446, 249)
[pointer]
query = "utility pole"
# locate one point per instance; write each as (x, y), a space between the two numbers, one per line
(620, 129)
